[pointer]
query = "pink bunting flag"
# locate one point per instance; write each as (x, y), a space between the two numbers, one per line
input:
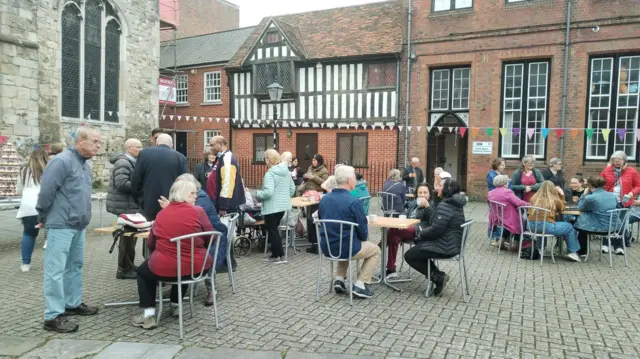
(638, 134)
(621, 133)
(463, 130)
(409, 128)
(187, 118)
(418, 128)
(226, 120)
(530, 132)
(210, 119)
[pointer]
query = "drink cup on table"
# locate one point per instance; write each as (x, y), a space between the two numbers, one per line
(402, 216)
(372, 218)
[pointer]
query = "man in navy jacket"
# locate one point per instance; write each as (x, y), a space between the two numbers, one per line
(340, 205)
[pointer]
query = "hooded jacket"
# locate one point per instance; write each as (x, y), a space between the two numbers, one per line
(444, 236)
(120, 195)
(360, 190)
(224, 184)
(277, 190)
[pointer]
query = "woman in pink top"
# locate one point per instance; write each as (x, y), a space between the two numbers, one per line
(506, 196)
(526, 180)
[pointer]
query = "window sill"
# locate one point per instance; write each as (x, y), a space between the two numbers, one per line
(77, 121)
(464, 11)
(527, 3)
(211, 103)
(183, 104)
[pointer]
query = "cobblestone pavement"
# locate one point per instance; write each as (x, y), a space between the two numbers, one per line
(562, 310)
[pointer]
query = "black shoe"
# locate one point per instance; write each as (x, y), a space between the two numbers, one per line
(126, 275)
(339, 287)
(61, 324)
(391, 274)
(82, 309)
(440, 282)
(313, 249)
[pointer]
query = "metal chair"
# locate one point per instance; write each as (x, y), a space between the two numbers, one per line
(460, 258)
(197, 275)
(366, 203)
(232, 222)
(496, 220)
(618, 225)
(333, 257)
(284, 228)
(387, 201)
(526, 231)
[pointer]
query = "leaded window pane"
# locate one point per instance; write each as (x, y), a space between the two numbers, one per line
(112, 71)
(71, 21)
(266, 74)
(92, 59)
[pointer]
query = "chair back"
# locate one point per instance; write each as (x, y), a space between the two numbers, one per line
(231, 220)
(366, 202)
(213, 236)
(387, 201)
(496, 213)
(537, 212)
(466, 229)
(321, 229)
(618, 222)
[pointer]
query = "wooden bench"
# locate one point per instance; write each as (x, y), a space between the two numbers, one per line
(110, 230)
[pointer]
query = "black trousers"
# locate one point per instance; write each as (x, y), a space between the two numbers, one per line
(271, 223)
(419, 259)
(312, 235)
(127, 253)
(583, 239)
(148, 283)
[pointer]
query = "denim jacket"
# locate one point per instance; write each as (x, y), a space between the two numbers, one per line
(594, 207)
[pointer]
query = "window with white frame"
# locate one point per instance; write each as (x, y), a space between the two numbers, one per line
(444, 5)
(614, 100)
(450, 89)
(182, 89)
(208, 135)
(212, 87)
(524, 107)
(90, 28)
(511, 1)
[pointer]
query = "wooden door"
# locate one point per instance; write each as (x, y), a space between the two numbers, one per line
(306, 147)
(181, 143)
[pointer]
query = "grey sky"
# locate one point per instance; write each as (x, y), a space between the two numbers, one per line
(252, 11)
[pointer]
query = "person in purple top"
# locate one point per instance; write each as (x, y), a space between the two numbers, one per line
(397, 190)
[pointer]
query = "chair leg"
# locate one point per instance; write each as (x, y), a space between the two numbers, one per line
(542, 245)
(350, 285)
(286, 243)
(520, 247)
(463, 286)
(624, 248)
(318, 281)
(611, 250)
(553, 248)
(230, 273)
(180, 311)
(466, 281)
(429, 283)
(160, 301)
(330, 276)
(215, 303)
(191, 300)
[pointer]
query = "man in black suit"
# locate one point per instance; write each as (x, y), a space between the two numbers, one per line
(156, 170)
(413, 175)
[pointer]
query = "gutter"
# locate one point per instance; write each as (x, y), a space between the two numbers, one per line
(567, 44)
(408, 81)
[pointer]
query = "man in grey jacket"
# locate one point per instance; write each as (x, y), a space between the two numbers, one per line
(64, 206)
(120, 201)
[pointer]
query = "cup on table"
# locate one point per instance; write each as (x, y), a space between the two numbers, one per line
(402, 216)
(372, 218)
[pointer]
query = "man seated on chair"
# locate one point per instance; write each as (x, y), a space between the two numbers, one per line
(179, 218)
(340, 205)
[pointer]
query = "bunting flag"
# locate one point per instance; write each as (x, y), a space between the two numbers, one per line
(210, 119)
(463, 130)
(516, 131)
(3, 139)
(418, 128)
(605, 134)
(545, 133)
(187, 117)
(400, 128)
(452, 129)
(589, 132)
(226, 120)
(179, 118)
(171, 117)
(408, 128)
(621, 133)
(110, 113)
(559, 132)
(489, 132)
(638, 134)
(439, 129)
(530, 132)
(574, 133)
(503, 131)
(474, 131)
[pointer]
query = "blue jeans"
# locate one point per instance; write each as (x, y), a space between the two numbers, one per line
(561, 229)
(29, 234)
(63, 262)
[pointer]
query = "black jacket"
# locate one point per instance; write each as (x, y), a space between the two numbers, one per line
(557, 179)
(120, 196)
(413, 182)
(201, 173)
(156, 170)
(444, 235)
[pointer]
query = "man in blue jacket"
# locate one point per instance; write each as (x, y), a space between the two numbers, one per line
(340, 205)
(64, 206)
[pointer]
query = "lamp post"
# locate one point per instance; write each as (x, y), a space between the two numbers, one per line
(275, 94)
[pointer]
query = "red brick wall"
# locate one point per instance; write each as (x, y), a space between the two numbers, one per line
(196, 107)
(486, 37)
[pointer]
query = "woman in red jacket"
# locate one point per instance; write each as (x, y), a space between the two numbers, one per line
(179, 218)
(622, 180)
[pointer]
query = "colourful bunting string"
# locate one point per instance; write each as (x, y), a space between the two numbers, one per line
(463, 130)
(589, 133)
(530, 132)
(574, 133)
(559, 132)
(605, 134)
(474, 131)
(489, 132)
(545, 132)
(621, 133)
(638, 134)
(516, 131)
(503, 131)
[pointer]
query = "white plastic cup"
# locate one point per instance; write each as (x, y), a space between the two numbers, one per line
(402, 216)
(372, 218)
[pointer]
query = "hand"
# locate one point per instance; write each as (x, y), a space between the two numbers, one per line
(636, 202)
(307, 176)
(222, 212)
(163, 202)
(412, 175)
(39, 225)
(575, 199)
(560, 191)
(527, 189)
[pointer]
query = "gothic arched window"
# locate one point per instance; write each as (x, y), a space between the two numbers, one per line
(90, 60)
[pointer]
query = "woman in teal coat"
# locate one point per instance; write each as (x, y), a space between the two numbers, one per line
(277, 189)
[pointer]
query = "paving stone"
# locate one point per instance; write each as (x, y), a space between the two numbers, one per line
(296, 355)
(66, 349)
(122, 350)
(16, 346)
(224, 353)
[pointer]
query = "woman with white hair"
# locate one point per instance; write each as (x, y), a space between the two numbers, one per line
(397, 188)
(180, 217)
(622, 180)
(526, 180)
(501, 193)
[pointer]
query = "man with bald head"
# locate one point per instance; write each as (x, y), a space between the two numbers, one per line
(155, 171)
(120, 201)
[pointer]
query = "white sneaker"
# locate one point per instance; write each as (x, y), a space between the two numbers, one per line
(45, 245)
(619, 251)
(605, 249)
(574, 257)
(25, 267)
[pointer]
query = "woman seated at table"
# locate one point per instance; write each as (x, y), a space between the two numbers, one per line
(594, 219)
(395, 193)
(419, 209)
(576, 188)
(180, 217)
(547, 197)
(511, 220)
(442, 238)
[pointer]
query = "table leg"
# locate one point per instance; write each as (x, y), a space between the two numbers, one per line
(383, 256)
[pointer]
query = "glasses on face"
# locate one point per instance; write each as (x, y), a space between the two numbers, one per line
(95, 141)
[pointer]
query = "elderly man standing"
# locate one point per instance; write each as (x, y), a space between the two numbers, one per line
(340, 205)
(64, 206)
(413, 175)
(224, 184)
(120, 201)
(156, 170)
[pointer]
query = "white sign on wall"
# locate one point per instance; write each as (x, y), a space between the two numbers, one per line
(482, 148)
(167, 91)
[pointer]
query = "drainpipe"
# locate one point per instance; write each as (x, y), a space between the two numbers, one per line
(567, 44)
(408, 81)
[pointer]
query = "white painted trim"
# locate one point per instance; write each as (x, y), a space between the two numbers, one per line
(359, 103)
(204, 86)
(263, 112)
(303, 82)
(242, 109)
(336, 74)
(343, 75)
(319, 106)
(259, 53)
(242, 83)
(394, 99)
(312, 107)
(319, 80)
(285, 112)
(360, 78)
(236, 103)
(249, 90)
(284, 50)
(268, 53)
(352, 77)
(275, 51)
(384, 103)
(328, 78)
(255, 108)
(368, 105)
(335, 106)
(376, 101)
(311, 78)
(270, 112)
(236, 83)
(292, 110)
(302, 107)
(352, 100)
(343, 112)
(328, 106)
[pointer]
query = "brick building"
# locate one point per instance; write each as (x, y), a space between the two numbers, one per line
(202, 95)
(199, 17)
(500, 64)
(340, 72)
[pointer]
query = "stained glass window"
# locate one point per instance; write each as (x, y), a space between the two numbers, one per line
(111, 71)
(71, 61)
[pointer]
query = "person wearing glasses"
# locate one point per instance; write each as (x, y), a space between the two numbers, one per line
(64, 206)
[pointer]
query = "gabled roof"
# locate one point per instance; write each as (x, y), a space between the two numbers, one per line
(362, 30)
(218, 47)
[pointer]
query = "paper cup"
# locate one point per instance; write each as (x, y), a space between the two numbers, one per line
(402, 216)
(373, 218)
